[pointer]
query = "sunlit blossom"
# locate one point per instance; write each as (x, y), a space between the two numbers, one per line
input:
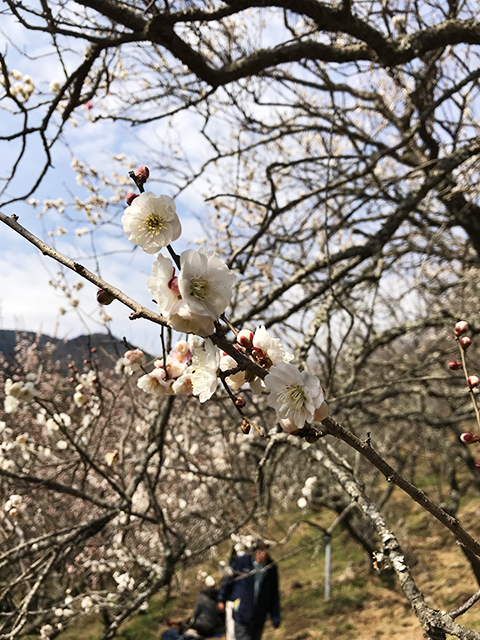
(159, 284)
(205, 282)
(293, 394)
(205, 366)
(151, 222)
(156, 382)
(236, 380)
(183, 320)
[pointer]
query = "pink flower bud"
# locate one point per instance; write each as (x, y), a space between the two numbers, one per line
(173, 286)
(454, 365)
(131, 197)
(245, 338)
(469, 438)
(142, 174)
(460, 328)
(477, 464)
(473, 381)
(465, 342)
(88, 105)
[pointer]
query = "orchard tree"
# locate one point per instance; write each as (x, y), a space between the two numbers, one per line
(338, 161)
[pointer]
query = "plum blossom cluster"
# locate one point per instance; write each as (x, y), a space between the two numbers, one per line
(170, 376)
(307, 492)
(13, 504)
(18, 392)
(192, 291)
(464, 343)
(196, 297)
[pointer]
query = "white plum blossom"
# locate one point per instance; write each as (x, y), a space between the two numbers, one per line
(205, 282)
(267, 351)
(205, 365)
(174, 367)
(78, 398)
(21, 391)
(162, 284)
(55, 86)
(204, 274)
(151, 222)
(293, 394)
(13, 502)
(27, 392)
(236, 380)
(302, 503)
(271, 346)
(46, 631)
(184, 321)
(182, 351)
(10, 404)
(133, 360)
(88, 379)
(156, 382)
(124, 581)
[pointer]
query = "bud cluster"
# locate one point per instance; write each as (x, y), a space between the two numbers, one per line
(140, 177)
(473, 381)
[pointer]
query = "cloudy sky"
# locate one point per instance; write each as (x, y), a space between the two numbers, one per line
(27, 301)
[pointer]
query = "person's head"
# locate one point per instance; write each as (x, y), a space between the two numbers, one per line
(260, 552)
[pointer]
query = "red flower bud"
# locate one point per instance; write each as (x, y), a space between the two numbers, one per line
(142, 174)
(477, 464)
(454, 365)
(104, 297)
(245, 338)
(469, 438)
(131, 197)
(473, 381)
(245, 427)
(93, 349)
(460, 328)
(465, 342)
(240, 402)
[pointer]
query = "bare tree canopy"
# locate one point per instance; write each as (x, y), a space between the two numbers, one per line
(335, 146)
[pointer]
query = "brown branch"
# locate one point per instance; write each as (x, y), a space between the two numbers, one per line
(335, 429)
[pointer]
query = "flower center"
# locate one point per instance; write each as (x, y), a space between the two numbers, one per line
(154, 224)
(292, 398)
(199, 287)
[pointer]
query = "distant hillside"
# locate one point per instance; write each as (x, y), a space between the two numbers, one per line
(74, 350)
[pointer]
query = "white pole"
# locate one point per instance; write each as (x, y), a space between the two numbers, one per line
(328, 555)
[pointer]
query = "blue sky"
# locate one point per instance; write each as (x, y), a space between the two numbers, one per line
(27, 301)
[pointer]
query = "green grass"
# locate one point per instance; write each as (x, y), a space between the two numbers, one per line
(361, 604)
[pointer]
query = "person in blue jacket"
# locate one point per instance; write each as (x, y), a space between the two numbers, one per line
(253, 588)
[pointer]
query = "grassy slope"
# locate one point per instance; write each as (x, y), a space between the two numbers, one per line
(363, 606)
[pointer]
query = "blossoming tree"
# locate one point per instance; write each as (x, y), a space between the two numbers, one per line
(346, 213)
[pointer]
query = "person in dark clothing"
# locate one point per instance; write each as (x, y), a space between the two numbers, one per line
(253, 588)
(205, 622)
(206, 619)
